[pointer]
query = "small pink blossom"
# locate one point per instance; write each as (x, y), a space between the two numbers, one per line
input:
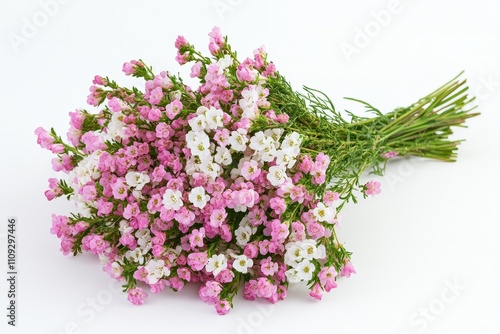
(372, 188)
(137, 296)
(222, 307)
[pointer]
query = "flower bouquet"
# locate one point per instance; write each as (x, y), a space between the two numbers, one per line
(235, 184)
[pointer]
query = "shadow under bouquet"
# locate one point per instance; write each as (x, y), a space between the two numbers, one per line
(235, 184)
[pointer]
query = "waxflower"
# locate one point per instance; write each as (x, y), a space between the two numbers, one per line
(239, 181)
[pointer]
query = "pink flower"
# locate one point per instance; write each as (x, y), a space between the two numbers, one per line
(347, 269)
(173, 109)
(251, 251)
(89, 191)
(137, 296)
(130, 68)
(225, 276)
(265, 288)
(315, 230)
(250, 170)
(279, 231)
(95, 243)
(209, 293)
(278, 205)
(159, 286)
(217, 217)
(316, 292)
(222, 307)
(181, 42)
(196, 238)
(306, 164)
(176, 283)
(330, 197)
(268, 267)
(60, 226)
(197, 261)
(131, 210)
(389, 154)
(196, 69)
(54, 190)
(156, 95)
(45, 140)
(128, 240)
(372, 188)
(120, 189)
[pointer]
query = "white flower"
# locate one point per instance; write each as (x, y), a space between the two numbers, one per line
(275, 134)
(323, 213)
(202, 110)
(172, 199)
(305, 270)
(268, 153)
(259, 141)
(214, 118)
(156, 270)
(137, 179)
(216, 264)
(320, 252)
(292, 140)
(135, 255)
(223, 156)
(286, 157)
(294, 254)
(292, 276)
(276, 175)
(225, 62)
(309, 247)
(242, 263)
(210, 169)
(249, 102)
(238, 140)
(198, 197)
(144, 240)
(243, 234)
(198, 123)
(200, 148)
(116, 269)
(116, 127)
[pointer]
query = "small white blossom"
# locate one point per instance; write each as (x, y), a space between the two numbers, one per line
(137, 179)
(305, 270)
(242, 263)
(223, 156)
(276, 175)
(216, 264)
(323, 213)
(225, 62)
(172, 199)
(243, 234)
(156, 270)
(286, 157)
(198, 123)
(238, 140)
(214, 118)
(198, 197)
(292, 276)
(259, 140)
(210, 169)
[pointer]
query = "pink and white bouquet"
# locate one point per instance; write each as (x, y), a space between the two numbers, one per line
(236, 183)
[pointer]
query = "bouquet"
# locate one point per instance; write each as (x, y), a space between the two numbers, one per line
(235, 184)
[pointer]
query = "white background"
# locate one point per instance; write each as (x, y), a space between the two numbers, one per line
(434, 225)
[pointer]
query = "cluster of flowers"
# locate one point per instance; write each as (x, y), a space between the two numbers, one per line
(174, 185)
